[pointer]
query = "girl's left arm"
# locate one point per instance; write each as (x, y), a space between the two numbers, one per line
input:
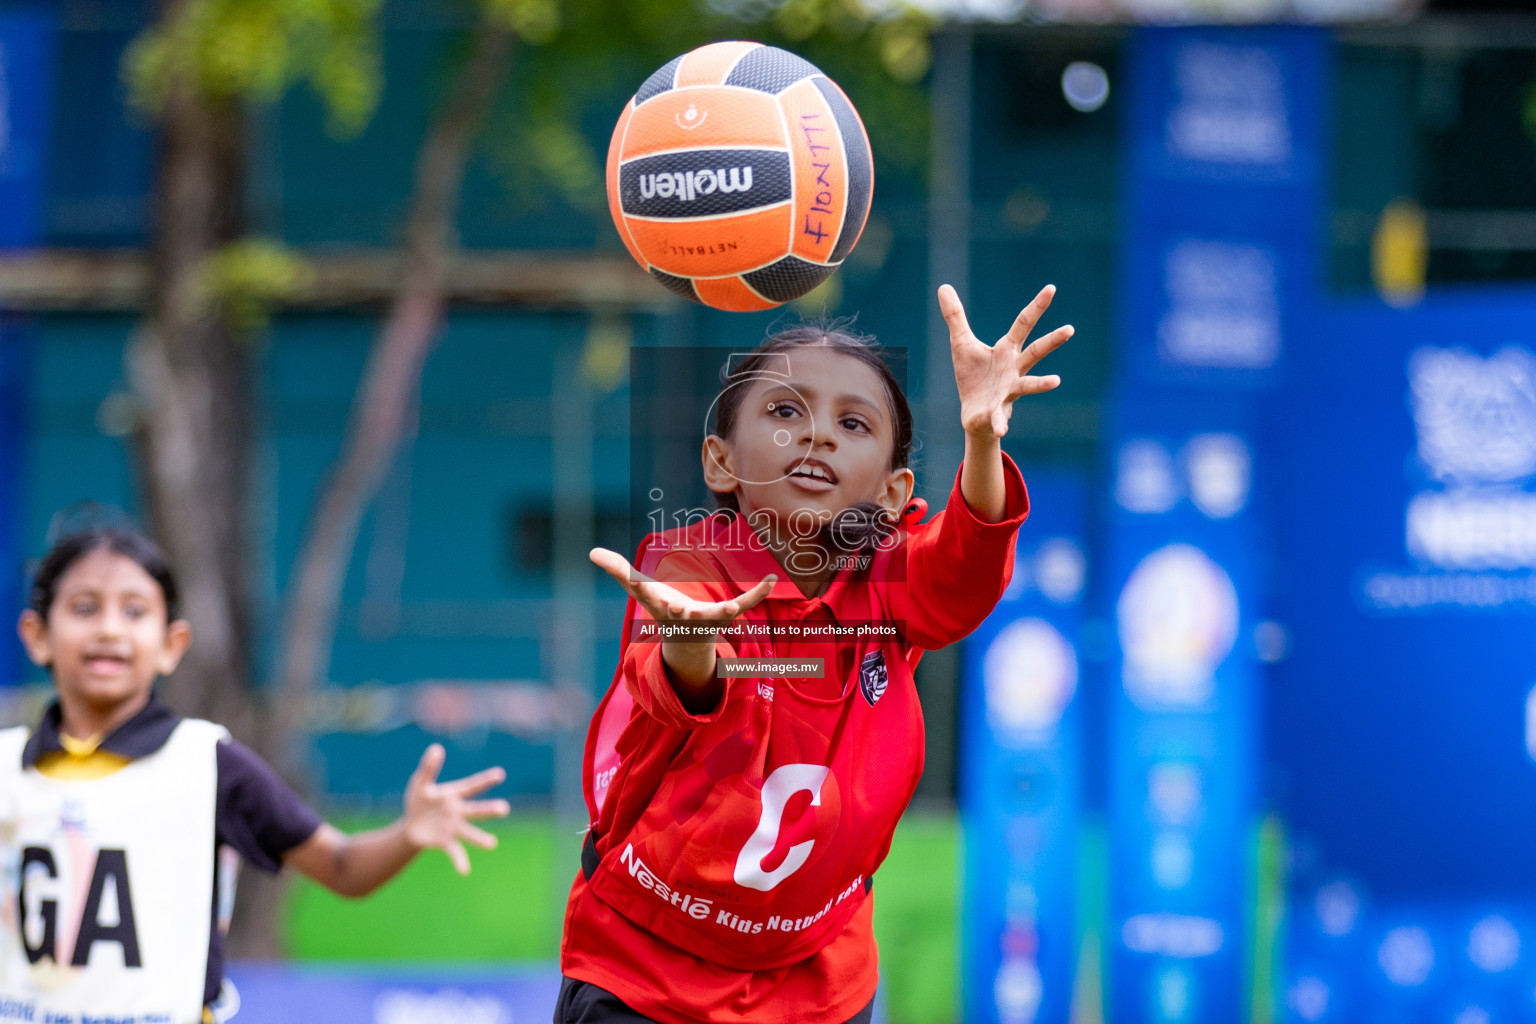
(437, 814)
(990, 379)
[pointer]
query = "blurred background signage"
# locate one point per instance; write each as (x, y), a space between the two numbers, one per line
(26, 82)
(1183, 733)
(1098, 12)
(1403, 722)
(1020, 774)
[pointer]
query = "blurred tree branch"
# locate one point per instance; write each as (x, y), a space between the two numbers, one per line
(385, 406)
(253, 281)
(193, 70)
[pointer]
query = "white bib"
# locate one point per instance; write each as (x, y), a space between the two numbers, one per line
(115, 884)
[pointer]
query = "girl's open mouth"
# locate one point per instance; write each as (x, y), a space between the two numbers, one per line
(105, 664)
(812, 475)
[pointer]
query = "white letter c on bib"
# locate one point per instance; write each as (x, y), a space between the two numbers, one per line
(784, 782)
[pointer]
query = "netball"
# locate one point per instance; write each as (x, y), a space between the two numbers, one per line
(739, 176)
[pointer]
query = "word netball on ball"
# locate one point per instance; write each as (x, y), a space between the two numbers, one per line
(740, 176)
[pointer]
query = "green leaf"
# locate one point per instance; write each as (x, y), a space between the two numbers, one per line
(245, 279)
(257, 49)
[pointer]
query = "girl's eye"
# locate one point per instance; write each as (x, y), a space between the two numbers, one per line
(83, 608)
(855, 424)
(783, 410)
(133, 611)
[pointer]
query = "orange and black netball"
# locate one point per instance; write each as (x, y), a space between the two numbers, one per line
(739, 176)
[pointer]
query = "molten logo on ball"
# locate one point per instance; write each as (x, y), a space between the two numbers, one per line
(686, 185)
(739, 176)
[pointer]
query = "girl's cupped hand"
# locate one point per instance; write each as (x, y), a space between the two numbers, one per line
(666, 603)
(992, 377)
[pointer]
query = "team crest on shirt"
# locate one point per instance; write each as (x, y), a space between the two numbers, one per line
(873, 677)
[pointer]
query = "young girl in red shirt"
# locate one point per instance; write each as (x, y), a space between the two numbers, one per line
(739, 811)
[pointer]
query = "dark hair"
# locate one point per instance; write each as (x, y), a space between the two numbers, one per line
(865, 520)
(121, 540)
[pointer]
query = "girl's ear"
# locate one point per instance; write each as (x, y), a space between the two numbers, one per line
(719, 470)
(34, 637)
(898, 492)
(178, 637)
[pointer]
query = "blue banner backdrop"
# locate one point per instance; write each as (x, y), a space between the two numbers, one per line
(1182, 726)
(279, 994)
(1221, 198)
(1406, 519)
(1402, 725)
(1020, 781)
(1223, 132)
(26, 75)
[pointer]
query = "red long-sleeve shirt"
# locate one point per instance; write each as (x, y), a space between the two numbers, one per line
(727, 874)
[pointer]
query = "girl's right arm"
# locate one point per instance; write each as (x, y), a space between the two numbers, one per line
(691, 668)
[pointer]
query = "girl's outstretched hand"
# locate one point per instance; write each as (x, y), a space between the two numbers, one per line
(991, 377)
(667, 603)
(438, 814)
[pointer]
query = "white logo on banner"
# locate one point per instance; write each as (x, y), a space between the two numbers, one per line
(1223, 306)
(1476, 424)
(1144, 479)
(1475, 524)
(1220, 474)
(1060, 570)
(1019, 990)
(1406, 956)
(1308, 997)
(1338, 908)
(1182, 936)
(1178, 617)
(445, 1006)
(1475, 417)
(1231, 106)
(1030, 673)
(1493, 945)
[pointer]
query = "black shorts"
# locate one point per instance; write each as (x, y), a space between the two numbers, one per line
(582, 1002)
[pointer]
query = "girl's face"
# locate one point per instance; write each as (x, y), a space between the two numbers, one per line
(106, 638)
(814, 441)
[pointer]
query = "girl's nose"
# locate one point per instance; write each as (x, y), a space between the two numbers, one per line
(110, 622)
(810, 440)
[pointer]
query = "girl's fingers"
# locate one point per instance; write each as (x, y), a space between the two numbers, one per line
(479, 837)
(455, 851)
(625, 575)
(659, 599)
(751, 598)
(1032, 386)
(1029, 316)
(1042, 347)
(617, 566)
(431, 763)
(954, 313)
(472, 785)
(486, 809)
(614, 564)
